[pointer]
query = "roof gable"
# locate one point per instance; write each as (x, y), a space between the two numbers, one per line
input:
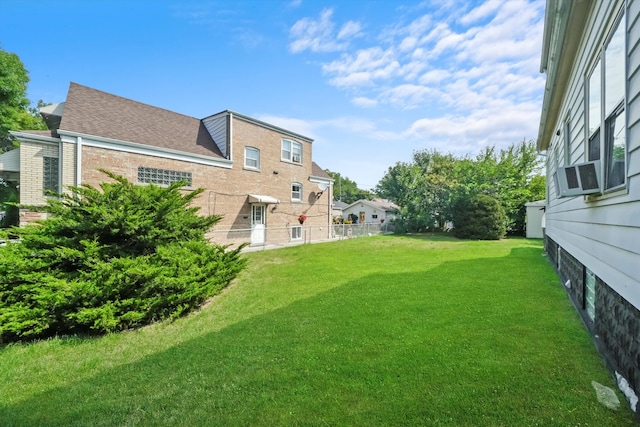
(93, 112)
(382, 204)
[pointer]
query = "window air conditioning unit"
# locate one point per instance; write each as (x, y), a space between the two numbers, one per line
(580, 179)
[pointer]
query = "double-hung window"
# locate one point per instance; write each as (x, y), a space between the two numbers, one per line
(296, 232)
(606, 116)
(291, 151)
(296, 192)
(251, 158)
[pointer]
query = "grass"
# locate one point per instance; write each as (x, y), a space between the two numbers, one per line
(378, 331)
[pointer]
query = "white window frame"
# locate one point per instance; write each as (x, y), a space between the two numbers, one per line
(247, 158)
(606, 115)
(291, 151)
(296, 232)
(296, 195)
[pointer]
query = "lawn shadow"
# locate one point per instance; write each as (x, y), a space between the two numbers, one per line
(419, 348)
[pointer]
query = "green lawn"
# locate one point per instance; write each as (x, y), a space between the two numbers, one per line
(375, 331)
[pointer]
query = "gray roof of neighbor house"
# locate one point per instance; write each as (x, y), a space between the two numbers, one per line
(338, 204)
(93, 112)
(382, 204)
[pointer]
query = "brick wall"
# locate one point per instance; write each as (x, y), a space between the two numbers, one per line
(32, 171)
(226, 190)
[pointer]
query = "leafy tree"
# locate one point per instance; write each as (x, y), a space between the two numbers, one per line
(347, 190)
(8, 204)
(479, 217)
(110, 259)
(427, 188)
(14, 105)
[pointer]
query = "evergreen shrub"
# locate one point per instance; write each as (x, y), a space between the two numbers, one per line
(479, 217)
(111, 259)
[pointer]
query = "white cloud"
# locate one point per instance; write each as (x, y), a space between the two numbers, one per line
(433, 77)
(350, 29)
(363, 68)
(407, 96)
(318, 35)
(364, 102)
(481, 11)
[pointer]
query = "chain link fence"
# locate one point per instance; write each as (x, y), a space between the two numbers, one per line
(271, 237)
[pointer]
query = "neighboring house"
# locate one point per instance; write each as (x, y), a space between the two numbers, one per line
(371, 211)
(259, 177)
(590, 130)
(337, 208)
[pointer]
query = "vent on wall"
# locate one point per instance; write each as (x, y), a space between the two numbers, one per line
(580, 179)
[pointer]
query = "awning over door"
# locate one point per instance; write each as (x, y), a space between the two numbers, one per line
(256, 198)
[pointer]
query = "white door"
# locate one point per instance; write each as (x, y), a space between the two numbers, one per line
(257, 224)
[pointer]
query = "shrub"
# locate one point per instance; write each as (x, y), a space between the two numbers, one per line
(479, 217)
(110, 260)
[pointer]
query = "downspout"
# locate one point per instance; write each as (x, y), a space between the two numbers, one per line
(60, 163)
(329, 211)
(78, 161)
(230, 154)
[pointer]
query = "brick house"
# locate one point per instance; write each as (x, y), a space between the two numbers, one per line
(260, 177)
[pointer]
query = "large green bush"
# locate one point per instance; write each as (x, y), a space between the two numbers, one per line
(111, 259)
(479, 217)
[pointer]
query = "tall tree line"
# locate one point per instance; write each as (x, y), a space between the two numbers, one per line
(427, 188)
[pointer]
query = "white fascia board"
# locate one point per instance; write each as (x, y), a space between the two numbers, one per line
(147, 150)
(319, 180)
(30, 137)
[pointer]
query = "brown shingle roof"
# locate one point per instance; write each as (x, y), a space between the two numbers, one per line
(316, 170)
(93, 112)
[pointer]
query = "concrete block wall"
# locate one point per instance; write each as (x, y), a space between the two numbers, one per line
(616, 328)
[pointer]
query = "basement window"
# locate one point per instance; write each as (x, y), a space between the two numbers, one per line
(590, 294)
(296, 232)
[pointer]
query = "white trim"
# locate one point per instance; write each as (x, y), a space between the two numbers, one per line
(136, 148)
(319, 180)
(30, 137)
(78, 143)
(230, 153)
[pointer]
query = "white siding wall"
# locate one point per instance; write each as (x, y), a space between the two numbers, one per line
(603, 232)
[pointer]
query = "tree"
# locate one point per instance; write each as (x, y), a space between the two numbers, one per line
(14, 105)
(479, 217)
(426, 188)
(347, 190)
(110, 259)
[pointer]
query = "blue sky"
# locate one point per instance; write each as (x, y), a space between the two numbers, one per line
(371, 81)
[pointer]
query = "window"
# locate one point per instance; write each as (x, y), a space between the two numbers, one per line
(590, 293)
(296, 191)
(296, 232)
(615, 141)
(593, 112)
(374, 216)
(50, 175)
(162, 176)
(606, 114)
(291, 151)
(251, 158)
(567, 141)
